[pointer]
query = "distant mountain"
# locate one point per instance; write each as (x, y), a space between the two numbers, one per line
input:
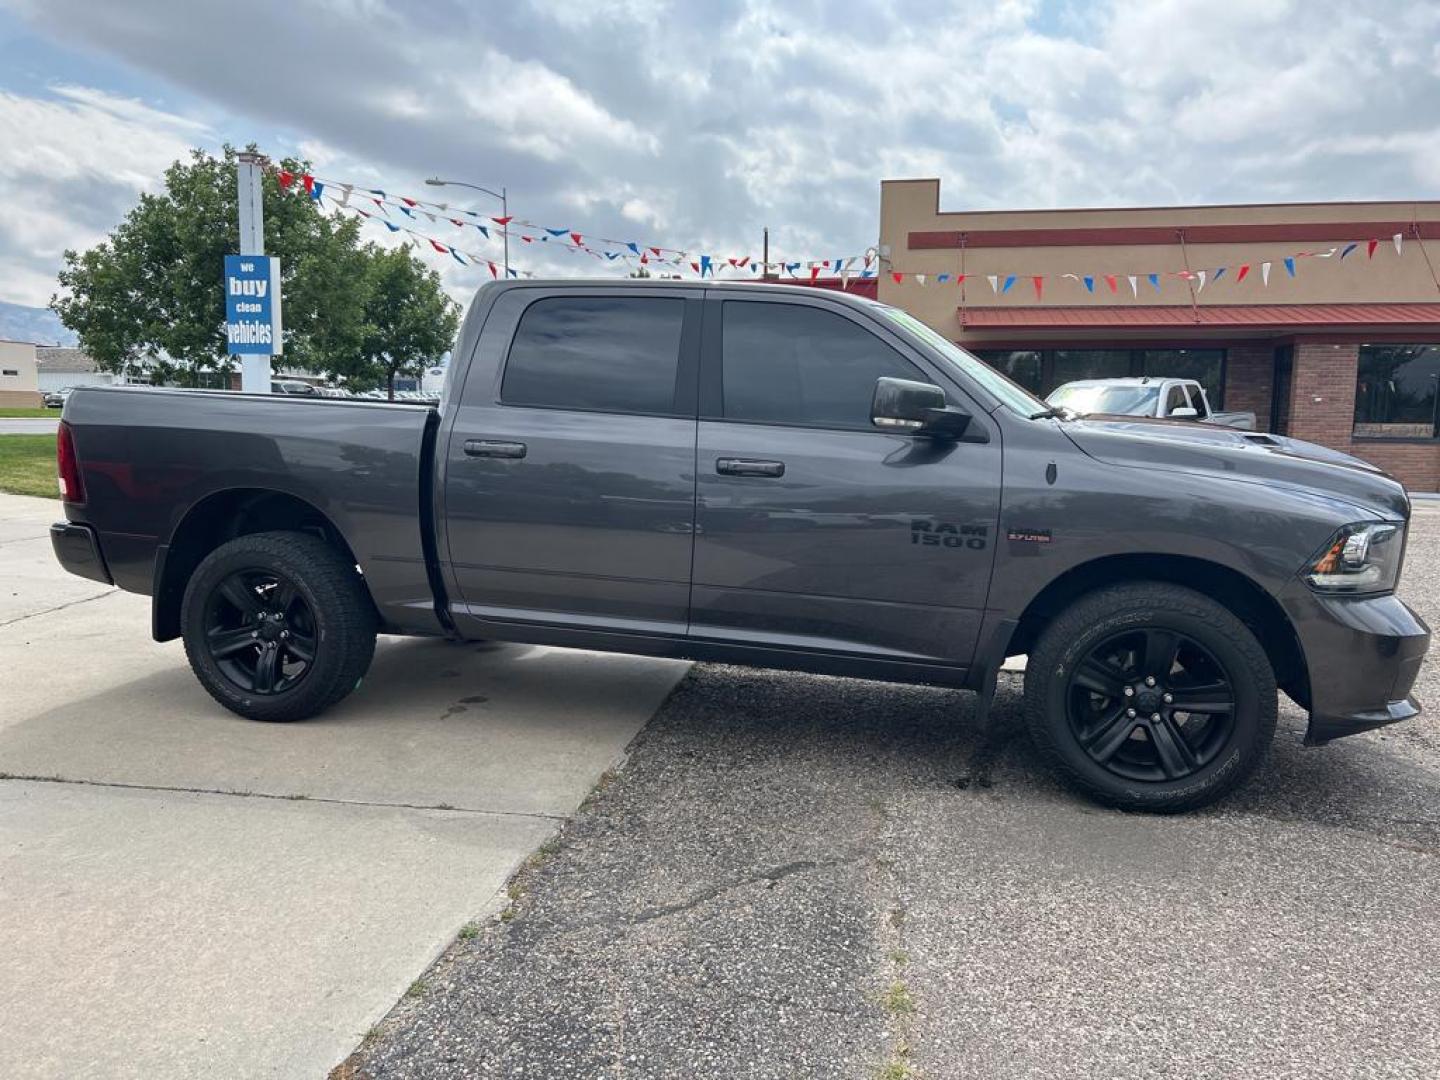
(40, 325)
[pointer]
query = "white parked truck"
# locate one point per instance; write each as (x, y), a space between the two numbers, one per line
(1173, 399)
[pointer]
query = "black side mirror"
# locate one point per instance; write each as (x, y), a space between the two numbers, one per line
(917, 408)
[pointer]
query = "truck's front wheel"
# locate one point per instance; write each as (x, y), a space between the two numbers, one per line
(1150, 696)
(277, 625)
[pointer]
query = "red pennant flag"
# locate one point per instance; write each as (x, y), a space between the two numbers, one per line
(503, 221)
(528, 239)
(379, 204)
(493, 271)
(898, 278)
(286, 178)
(814, 272)
(656, 252)
(695, 266)
(1110, 280)
(1244, 269)
(579, 241)
(1370, 248)
(960, 279)
(732, 261)
(743, 262)
(362, 213)
(408, 201)
(457, 223)
(1039, 282)
(644, 258)
(439, 246)
(309, 182)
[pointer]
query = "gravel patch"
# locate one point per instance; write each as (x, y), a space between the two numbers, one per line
(795, 876)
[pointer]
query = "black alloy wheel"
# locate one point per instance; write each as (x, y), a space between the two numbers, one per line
(260, 632)
(1151, 704)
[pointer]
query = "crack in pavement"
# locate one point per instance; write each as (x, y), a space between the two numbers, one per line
(60, 607)
(330, 800)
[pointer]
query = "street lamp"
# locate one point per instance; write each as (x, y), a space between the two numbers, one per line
(435, 181)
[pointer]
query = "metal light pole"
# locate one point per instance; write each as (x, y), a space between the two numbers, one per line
(435, 181)
(255, 371)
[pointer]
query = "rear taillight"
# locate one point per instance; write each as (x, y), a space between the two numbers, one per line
(72, 487)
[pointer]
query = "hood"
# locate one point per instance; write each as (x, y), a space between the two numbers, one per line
(1252, 456)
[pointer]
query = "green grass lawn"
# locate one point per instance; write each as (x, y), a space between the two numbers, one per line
(15, 414)
(27, 465)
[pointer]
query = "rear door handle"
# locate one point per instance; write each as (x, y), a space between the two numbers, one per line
(491, 448)
(729, 466)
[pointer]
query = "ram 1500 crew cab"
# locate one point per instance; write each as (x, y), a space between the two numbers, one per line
(764, 475)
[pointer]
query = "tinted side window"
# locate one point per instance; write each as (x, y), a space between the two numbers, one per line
(1176, 400)
(789, 364)
(607, 354)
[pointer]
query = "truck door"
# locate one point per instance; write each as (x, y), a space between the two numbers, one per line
(815, 530)
(569, 489)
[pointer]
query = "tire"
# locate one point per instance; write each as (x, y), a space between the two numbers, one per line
(1091, 663)
(281, 668)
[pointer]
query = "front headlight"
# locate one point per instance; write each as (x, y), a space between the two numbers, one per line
(1360, 558)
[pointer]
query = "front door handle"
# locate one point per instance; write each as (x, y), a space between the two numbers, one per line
(729, 466)
(491, 448)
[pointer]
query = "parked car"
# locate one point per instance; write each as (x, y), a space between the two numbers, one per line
(55, 399)
(1172, 399)
(293, 386)
(764, 475)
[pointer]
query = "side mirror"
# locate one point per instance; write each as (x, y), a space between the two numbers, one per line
(1184, 413)
(915, 407)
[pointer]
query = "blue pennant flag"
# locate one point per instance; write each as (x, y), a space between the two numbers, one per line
(1009, 280)
(457, 257)
(392, 226)
(1217, 275)
(315, 189)
(1089, 283)
(512, 272)
(1290, 265)
(406, 211)
(1348, 248)
(557, 232)
(1154, 279)
(484, 231)
(633, 247)
(942, 278)
(376, 191)
(612, 255)
(705, 267)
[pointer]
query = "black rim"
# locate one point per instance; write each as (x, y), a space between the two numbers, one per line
(1151, 704)
(260, 631)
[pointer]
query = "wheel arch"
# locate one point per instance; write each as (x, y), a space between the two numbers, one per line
(1241, 595)
(216, 519)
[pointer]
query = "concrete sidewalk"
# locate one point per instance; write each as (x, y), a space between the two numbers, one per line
(185, 892)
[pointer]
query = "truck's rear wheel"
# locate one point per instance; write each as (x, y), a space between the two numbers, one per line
(277, 625)
(1149, 696)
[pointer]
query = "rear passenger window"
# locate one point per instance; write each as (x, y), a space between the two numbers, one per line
(600, 354)
(789, 364)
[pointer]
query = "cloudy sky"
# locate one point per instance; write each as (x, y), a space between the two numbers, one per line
(695, 124)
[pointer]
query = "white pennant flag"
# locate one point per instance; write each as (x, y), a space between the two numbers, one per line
(1398, 237)
(1265, 273)
(1326, 254)
(920, 278)
(845, 276)
(431, 217)
(850, 261)
(1072, 277)
(994, 282)
(344, 195)
(1200, 276)
(1134, 285)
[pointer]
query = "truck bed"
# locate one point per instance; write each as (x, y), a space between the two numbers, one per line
(154, 459)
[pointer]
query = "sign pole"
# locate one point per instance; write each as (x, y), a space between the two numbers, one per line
(249, 172)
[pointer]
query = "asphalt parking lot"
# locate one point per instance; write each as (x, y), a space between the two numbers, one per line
(796, 877)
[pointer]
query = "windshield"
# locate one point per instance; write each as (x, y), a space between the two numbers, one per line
(1116, 400)
(1014, 397)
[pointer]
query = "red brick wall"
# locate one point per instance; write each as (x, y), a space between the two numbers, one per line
(1322, 410)
(1249, 378)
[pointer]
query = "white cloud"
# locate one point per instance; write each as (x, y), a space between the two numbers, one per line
(69, 166)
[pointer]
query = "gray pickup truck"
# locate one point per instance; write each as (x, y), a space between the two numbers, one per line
(764, 475)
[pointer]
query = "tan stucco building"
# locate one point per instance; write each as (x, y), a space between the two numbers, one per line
(19, 379)
(1341, 347)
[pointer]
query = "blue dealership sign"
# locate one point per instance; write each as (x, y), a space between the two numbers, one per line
(252, 305)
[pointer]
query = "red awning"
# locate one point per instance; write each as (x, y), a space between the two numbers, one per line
(1167, 316)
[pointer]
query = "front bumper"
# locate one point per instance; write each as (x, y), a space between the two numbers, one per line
(78, 549)
(1363, 654)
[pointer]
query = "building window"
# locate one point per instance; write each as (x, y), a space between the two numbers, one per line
(1395, 391)
(1041, 370)
(10, 373)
